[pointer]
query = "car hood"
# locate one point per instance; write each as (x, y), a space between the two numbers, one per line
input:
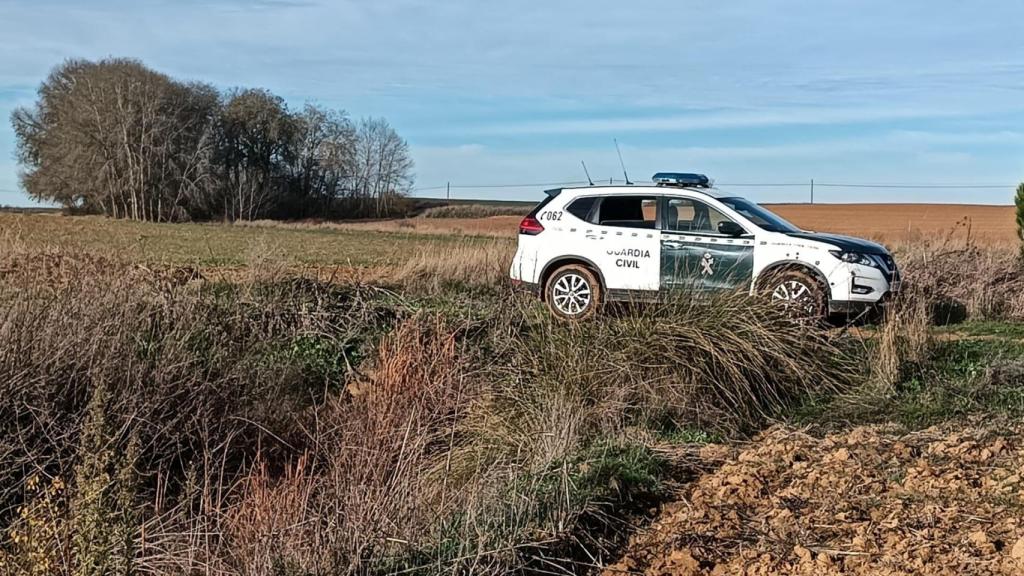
(844, 243)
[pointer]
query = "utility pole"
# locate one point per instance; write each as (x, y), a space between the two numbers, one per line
(448, 191)
(812, 190)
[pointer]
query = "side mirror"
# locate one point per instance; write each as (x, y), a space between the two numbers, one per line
(730, 228)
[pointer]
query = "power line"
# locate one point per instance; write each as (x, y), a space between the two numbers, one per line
(735, 184)
(923, 186)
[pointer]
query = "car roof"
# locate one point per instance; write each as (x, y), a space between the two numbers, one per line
(643, 189)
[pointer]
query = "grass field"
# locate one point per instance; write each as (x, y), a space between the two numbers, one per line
(413, 415)
(216, 245)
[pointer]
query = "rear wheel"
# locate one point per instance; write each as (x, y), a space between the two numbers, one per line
(573, 292)
(797, 292)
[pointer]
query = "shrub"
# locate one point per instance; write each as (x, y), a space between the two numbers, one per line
(100, 361)
(1018, 201)
(474, 211)
(960, 279)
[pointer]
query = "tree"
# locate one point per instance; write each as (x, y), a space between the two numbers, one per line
(324, 159)
(382, 168)
(115, 137)
(1019, 201)
(258, 139)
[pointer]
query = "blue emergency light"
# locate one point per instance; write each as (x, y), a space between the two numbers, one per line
(681, 180)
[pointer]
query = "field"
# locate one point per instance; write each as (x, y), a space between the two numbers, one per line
(883, 222)
(289, 399)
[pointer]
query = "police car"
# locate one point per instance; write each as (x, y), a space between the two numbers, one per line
(581, 247)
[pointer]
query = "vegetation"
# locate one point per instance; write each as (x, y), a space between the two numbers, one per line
(225, 401)
(1018, 201)
(116, 138)
(475, 211)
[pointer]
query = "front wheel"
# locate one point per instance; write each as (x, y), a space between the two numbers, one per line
(573, 293)
(798, 293)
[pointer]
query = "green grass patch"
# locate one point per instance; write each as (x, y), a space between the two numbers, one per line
(992, 328)
(962, 378)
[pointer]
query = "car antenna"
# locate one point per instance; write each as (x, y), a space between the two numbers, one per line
(621, 163)
(587, 172)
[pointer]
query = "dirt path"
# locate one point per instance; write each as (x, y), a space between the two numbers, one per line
(866, 502)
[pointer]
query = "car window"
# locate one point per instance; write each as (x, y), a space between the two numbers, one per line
(582, 207)
(687, 215)
(628, 211)
(759, 215)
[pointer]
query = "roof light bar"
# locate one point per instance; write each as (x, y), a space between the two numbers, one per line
(681, 180)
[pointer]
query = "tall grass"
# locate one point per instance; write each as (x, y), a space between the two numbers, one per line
(284, 426)
(477, 263)
(474, 211)
(964, 280)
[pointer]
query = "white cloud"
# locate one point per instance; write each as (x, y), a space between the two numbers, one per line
(718, 120)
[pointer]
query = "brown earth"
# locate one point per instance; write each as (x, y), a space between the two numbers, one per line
(883, 222)
(865, 502)
(896, 222)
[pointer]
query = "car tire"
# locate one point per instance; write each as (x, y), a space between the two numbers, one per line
(798, 292)
(573, 292)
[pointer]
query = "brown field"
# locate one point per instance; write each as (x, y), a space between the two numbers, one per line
(882, 222)
(896, 222)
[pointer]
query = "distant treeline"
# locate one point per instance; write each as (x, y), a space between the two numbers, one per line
(117, 138)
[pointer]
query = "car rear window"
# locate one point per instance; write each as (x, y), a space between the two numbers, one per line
(582, 207)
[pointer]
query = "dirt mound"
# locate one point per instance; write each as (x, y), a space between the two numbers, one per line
(869, 501)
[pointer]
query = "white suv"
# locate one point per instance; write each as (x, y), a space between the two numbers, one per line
(581, 247)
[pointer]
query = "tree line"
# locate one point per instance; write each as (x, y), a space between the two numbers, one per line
(117, 138)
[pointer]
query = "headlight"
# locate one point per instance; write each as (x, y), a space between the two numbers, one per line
(853, 258)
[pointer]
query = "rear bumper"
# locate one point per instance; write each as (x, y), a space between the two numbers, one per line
(531, 288)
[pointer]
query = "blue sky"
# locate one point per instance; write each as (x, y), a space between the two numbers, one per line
(865, 91)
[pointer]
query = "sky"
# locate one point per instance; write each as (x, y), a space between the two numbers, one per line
(488, 93)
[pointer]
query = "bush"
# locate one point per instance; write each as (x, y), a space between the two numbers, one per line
(474, 211)
(289, 427)
(97, 357)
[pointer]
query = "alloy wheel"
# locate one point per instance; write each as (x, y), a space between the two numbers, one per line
(571, 294)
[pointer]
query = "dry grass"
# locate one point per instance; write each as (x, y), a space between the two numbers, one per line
(279, 432)
(490, 227)
(475, 211)
(288, 425)
(476, 264)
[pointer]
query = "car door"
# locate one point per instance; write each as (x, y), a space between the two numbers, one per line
(695, 254)
(624, 241)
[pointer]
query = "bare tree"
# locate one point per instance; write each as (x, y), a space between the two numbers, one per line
(116, 138)
(382, 166)
(257, 140)
(324, 158)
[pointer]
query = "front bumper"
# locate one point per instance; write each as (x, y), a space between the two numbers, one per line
(858, 308)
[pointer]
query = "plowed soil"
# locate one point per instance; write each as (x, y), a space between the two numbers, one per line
(866, 502)
(883, 222)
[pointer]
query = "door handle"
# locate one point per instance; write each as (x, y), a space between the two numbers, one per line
(672, 245)
(593, 237)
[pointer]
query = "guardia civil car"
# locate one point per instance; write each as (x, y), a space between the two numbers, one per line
(581, 247)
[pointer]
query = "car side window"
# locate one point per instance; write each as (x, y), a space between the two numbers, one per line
(582, 207)
(628, 211)
(688, 215)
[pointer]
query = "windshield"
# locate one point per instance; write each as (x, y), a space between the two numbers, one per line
(759, 215)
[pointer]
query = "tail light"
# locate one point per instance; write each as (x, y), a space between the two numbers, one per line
(530, 226)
